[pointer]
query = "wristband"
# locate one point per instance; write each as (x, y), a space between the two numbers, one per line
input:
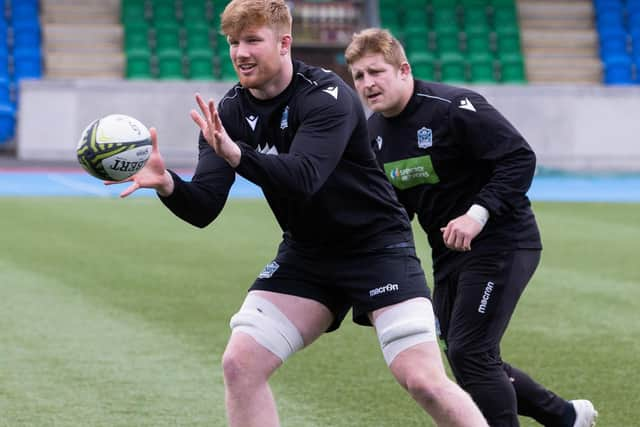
(479, 213)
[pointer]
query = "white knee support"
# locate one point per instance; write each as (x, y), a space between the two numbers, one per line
(404, 326)
(268, 326)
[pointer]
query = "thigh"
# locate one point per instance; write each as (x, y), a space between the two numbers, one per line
(487, 291)
(295, 274)
(310, 317)
(383, 278)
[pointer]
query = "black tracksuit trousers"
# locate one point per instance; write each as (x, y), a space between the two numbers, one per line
(473, 306)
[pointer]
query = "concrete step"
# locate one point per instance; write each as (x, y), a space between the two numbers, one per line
(83, 12)
(560, 9)
(76, 65)
(563, 38)
(568, 69)
(82, 37)
(555, 23)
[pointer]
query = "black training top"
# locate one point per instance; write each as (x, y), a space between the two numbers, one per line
(448, 149)
(308, 150)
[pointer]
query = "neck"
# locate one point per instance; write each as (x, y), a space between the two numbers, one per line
(278, 84)
(407, 92)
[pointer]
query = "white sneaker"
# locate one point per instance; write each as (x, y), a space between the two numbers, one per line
(586, 414)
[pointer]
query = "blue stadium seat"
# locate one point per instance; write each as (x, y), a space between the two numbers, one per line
(7, 122)
(27, 64)
(618, 70)
(5, 90)
(613, 41)
(26, 34)
(610, 19)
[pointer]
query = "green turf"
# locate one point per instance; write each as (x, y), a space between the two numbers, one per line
(115, 313)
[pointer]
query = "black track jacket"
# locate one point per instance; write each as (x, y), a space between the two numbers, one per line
(308, 150)
(448, 149)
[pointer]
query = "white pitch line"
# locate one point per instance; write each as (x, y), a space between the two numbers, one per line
(78, 186)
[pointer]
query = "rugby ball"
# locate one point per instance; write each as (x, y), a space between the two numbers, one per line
(114, 147)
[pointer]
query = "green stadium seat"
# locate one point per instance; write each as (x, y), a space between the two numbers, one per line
(132, 11)
(164, 12)
(136, 37)
(389, 16)
(200, 64)
(505, 17)
(447, 41)
(512, 69)
(478, 40)
(452, 68)
(416, 41)
(423, 65)
(170, 66)
(198, 38)
(227, 72)
(503, 3)
(508, 41)
(194, 13)
(417, 18)
(442, 3)
(481, 68)
(473, 3)
(444, 18)
(222, 46)
(167, 36)
(138, 64)
(475, 17)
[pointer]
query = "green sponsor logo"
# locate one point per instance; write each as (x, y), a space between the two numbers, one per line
(410, 172)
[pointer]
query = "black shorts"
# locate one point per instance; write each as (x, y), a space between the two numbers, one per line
(365, 281)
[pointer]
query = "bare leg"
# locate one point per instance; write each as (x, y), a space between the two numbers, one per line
(419, 369)
(407, 335)
(247, 365)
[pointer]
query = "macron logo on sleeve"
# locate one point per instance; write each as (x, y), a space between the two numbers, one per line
(331, 90)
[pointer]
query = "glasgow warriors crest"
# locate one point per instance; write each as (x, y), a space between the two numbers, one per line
(425, 138)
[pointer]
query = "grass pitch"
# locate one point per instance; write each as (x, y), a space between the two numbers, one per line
(115, 313)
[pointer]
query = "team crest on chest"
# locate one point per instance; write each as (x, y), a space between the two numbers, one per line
(284, 121)
(425, 138)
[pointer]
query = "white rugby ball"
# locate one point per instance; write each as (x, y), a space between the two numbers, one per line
(114, 147)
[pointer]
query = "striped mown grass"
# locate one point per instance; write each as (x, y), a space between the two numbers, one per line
(115, 313)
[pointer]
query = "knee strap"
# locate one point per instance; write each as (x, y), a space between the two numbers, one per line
(404, 326)
(263, 321)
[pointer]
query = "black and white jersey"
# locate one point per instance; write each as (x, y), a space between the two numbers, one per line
(449, 149)
(308, 150)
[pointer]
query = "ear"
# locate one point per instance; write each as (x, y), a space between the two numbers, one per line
(405, 70)
(285, 44)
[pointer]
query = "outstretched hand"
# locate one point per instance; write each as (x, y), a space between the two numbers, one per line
(153, 175)
(214, 132)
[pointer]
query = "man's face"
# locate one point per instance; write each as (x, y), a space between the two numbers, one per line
(378, 83)
(255, 54)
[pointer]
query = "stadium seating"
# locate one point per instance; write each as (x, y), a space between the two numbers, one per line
(20, 57)
(618, 25)
(467, 40)
(173, 39)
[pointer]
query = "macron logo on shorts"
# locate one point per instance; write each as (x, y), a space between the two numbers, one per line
(389, 287)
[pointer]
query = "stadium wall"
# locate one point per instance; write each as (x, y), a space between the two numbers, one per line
(572, 128)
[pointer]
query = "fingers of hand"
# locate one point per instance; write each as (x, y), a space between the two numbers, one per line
(455, 238)
(154, 139)
(130, 189)
(204, 108)
(197, 118)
